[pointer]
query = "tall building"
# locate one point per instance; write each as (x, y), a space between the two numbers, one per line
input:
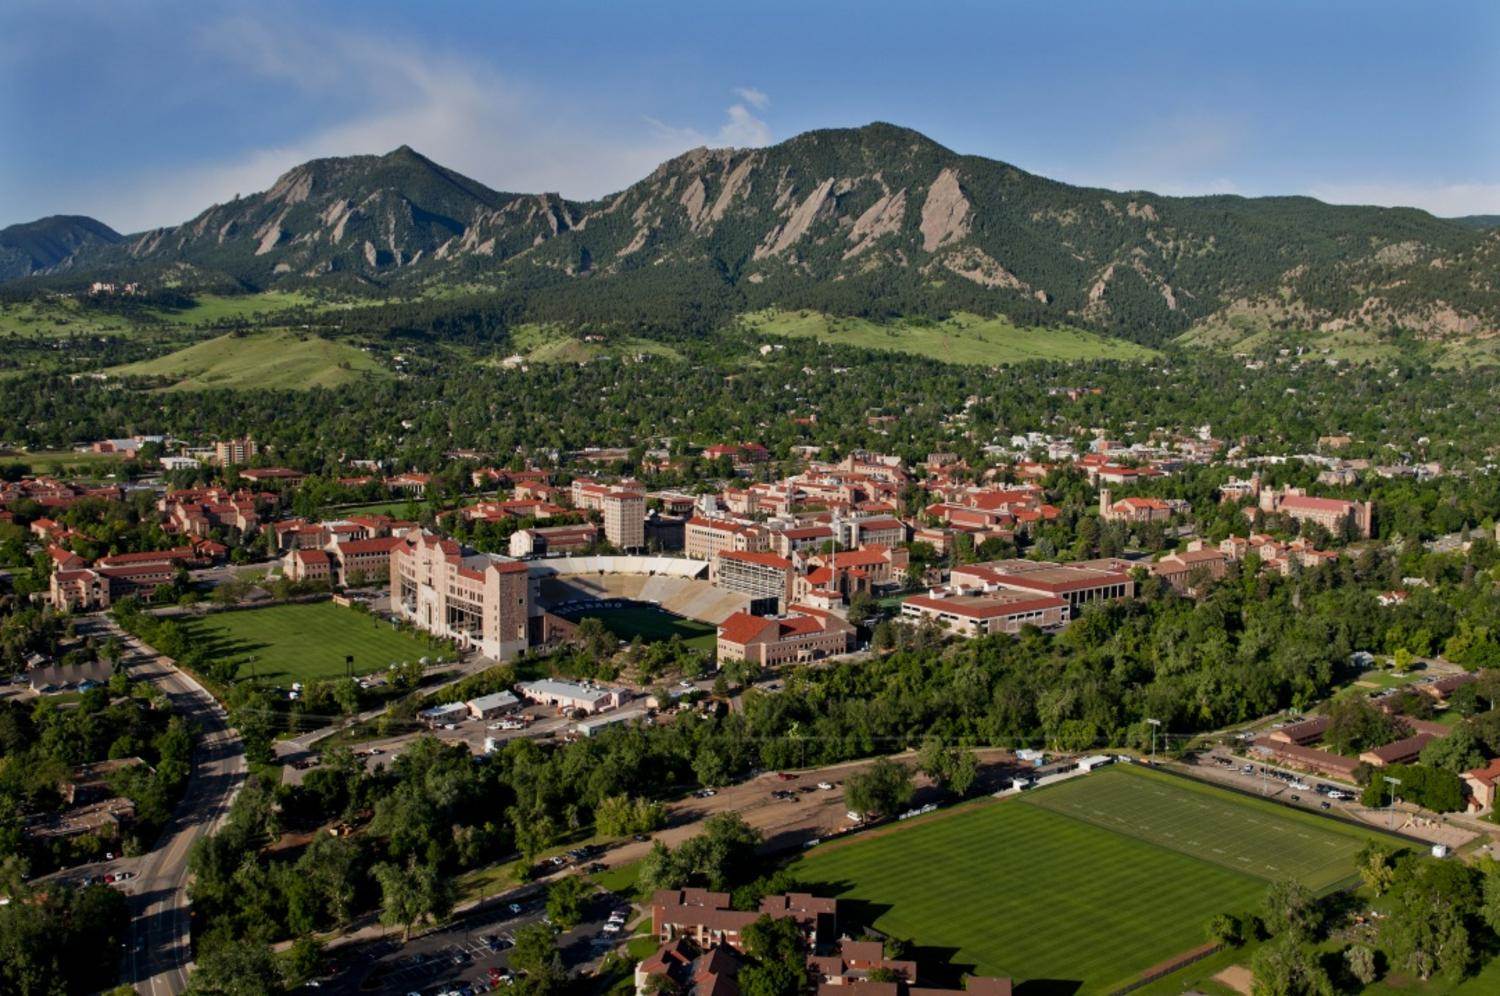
(480, 600)
(623, 508)
(229, 452)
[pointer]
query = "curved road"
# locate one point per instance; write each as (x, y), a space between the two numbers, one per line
(160, 950)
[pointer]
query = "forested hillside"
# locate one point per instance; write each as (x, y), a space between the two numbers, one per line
(874, 221)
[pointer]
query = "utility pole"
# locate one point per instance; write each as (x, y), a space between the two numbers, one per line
(1392, 782)
(1154, 724)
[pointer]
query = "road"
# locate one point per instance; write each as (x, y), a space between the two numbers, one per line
(159, 955)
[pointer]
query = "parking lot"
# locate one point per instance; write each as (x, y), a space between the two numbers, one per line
(472, 955)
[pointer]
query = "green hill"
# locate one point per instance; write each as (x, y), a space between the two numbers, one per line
(961, 338)
(275, 359)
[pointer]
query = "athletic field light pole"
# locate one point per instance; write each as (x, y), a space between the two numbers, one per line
(1155, 723)
(1392, 782)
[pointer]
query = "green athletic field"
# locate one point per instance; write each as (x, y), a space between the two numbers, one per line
(652, 625)
(1088, 882)
(306, 642)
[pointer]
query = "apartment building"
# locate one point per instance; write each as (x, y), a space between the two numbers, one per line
(622, 507)
(230, 452)
(480, 600)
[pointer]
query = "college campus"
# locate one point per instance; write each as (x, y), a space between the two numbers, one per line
(690, 500)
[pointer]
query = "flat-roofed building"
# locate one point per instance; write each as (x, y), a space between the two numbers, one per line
(986, 614)
(1077, 584)
(492, 705)
(573, 695)
(758, 574)
(480, 600)
(623, 509)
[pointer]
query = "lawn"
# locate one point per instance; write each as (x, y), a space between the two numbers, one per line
(962, 338)
(274, 359)
(216, 309)
(1080, 885)
(652, 624)
(68, 462)
(552, 343)
(306, 642)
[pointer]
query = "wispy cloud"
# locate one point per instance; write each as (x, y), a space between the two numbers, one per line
(1443, 199)
(755, 98)
(466, 116)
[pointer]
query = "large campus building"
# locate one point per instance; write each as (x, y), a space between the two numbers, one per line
(1076, 583)
(1333, 514)
(481, 600)
(759, 575)
(622, 508)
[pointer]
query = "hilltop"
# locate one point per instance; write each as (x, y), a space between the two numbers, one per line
(876, 221)
(38, 246)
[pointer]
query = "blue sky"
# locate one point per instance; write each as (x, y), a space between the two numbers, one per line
(143, 113)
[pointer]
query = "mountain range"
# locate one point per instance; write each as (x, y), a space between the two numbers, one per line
(876, 220)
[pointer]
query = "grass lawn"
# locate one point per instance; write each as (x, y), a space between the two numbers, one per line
(963, 338)
(306, 642)
(652, 625)
(275, 359)
(66, 461)
(551, 343)
(1083, 884)
(214, 309)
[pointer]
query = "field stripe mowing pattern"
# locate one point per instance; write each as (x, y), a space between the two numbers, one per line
(1261, 839)
(1089, 881)
(1026, 892)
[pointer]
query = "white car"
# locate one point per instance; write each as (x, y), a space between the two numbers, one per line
(825, 786)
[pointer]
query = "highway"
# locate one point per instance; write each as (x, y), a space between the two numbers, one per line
(159, 955)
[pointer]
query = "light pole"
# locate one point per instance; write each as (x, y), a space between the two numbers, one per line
(1154, 724)
(1392, 782)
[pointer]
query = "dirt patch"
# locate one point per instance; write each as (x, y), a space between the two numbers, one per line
(1236, 977)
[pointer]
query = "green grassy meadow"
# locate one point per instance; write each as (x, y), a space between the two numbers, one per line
(305, 642)
(67, 462)
(549, 343)
(1088, 882)
(962, 339)
(273, 359)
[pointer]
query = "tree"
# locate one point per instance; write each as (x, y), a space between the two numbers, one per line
(881, 789)
(535, 953)
(1360, 958)
(1290, 908)
(1225, 929)
(778, 963)
(415, 894)
(1288, 967)
(236, 968)
(566, 901)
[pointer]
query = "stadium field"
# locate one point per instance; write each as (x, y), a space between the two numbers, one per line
(652, 624)
(1053, 889)
(305, 642)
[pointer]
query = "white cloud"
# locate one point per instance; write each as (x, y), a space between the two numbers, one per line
(755, 98)
(464, 116)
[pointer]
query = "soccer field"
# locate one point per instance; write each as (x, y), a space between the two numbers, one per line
(1053, 888)
(305, 642)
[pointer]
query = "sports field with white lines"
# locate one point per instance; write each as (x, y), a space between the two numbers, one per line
(1085, 883)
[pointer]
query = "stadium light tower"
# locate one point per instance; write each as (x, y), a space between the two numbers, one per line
(1392, 782)
(1155, 723)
